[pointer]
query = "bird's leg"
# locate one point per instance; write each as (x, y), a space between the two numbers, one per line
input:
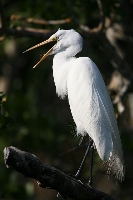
(91, 164)
(84, 158)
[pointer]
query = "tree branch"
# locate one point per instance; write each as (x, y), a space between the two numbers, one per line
(39, 21)
(22, 32)
(85, 28)
(49, 177)
(26, 31)
(101, 15)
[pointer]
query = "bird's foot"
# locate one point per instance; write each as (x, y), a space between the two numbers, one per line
(90, 183)
(77, 174)
(74, 176)
(62, 195)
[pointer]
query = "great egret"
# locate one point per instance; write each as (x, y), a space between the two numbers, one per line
(89, 101)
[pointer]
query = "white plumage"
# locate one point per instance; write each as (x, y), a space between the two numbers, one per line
(89, 101)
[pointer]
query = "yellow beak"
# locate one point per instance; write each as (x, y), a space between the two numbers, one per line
(40, 44)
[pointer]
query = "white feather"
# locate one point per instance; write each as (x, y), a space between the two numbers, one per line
(89, 101)
(93, 113)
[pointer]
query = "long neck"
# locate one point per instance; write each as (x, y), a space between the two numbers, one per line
(61, 67)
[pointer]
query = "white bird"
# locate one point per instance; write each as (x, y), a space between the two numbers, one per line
(89, 101)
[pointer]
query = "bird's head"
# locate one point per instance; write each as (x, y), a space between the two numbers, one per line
(68, 41)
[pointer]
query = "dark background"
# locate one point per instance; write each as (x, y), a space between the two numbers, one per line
(33, 118)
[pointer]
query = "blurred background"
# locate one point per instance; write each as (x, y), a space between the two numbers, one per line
(32, 117)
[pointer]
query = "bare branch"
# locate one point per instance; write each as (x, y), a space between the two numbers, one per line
(40, 21)
(33, 30)
(49, 177)
(85, 28)
(101, 14)
(28, 33)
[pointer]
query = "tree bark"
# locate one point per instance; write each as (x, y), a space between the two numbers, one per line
(49, 177)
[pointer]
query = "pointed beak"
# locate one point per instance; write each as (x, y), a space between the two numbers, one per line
(40, 44)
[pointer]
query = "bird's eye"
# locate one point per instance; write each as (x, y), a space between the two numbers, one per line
(55, 38)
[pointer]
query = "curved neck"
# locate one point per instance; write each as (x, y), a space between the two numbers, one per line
(61, 68)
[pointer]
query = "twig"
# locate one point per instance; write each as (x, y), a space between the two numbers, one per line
(49, 177)
(28, 33)
(39, 21)
(33, 30)
(101, 14)
(85, 28)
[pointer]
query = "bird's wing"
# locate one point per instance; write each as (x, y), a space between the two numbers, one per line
(92, 109)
